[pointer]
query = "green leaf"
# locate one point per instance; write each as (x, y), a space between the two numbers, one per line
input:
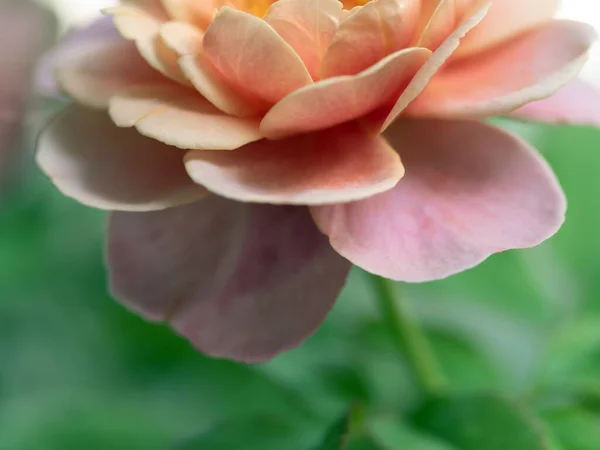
(338, 435)
(575, 429)
(255, 434)
(482, 422)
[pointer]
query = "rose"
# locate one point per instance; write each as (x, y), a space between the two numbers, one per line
(355, 120)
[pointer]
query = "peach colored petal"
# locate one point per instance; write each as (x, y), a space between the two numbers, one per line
(252, 56)
(578, 103)
(335, 165)
(507, 19)
(93, 72)
(308, 26)
(211, 84)
(142, 25)
(530, 67)
(471, 190)
(88, 158)
(196, 12)
(182, 38)
(376, 30)
(477, 12)
(340, 99)
(440, 25)
(180, 117)
(239, 281)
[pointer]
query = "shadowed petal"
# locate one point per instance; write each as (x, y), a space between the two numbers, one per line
(88, 158)
(240, 281)
(308, 26)
(376, 30)
(182, 38)
(531, 67)
(470, 190)
(578, 103)
(336, 165)
(179, 116)
(93, 72)
(252, 56)
(340, 99)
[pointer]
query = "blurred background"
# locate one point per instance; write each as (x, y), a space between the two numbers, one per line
(77, 371)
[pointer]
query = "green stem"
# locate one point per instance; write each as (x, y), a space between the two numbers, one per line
(408, 336)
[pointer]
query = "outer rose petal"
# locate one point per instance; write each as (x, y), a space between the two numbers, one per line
(577, 103)
(341, 99)
(470, 190)
(335, 165)
(251, 55)
(106, 167)
(531, 67)
(182, 38)
(507, 19)
(197, 13)
(308, 26)
(239, 281)
(93, 72)
(376, 30)
(477, 11)
(440, 25)
(100, 30)
(179, 116)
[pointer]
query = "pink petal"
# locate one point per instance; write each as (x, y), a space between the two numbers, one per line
(88, 158)
(577, 103)
(477, 11)
(440, 25)
(376, 30)
(470, 190)
(217, 90)
(308, 26)
(531, 67)
(335, 165)
(93, 72)
(45, 77)
(142, 25)
(180, 117)
(240, 281)
(507, 19)
(340, 99)
(253, 57)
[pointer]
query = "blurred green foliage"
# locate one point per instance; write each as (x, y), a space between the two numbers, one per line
(518, 337)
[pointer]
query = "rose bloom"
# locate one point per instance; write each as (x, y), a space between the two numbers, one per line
(254, 150)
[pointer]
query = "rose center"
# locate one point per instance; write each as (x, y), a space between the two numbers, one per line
(260, 7)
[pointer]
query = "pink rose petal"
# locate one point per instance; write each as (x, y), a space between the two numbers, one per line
(240, 281)
(308, 26)
(578, 103)
(335, 165)
(474, 15)
(530, 67)
(376, 30)
(252, 56)
(340, 99)
(507, 19)
(88, 158)
(470, 190)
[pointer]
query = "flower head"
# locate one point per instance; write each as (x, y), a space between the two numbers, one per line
(256, 148)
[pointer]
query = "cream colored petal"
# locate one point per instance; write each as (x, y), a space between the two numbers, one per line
(180, 117)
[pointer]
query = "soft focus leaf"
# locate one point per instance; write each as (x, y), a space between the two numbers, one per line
(574, 429)
(478, 422)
